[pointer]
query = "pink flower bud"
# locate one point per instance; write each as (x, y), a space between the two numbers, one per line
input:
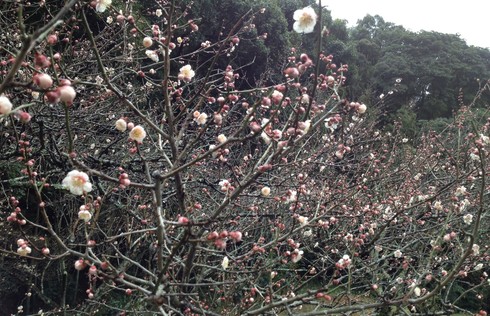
(236, 236)
(255, 127)
(24, 117)
(233, 97)
(80, 264)
(92, 270)
(218, 119)
(265, 168)
(120, 18)
(183, 220)
(53, 96)
(213, 235)
(67, 94)
(41, 61)
(292, 72)
(276, 134)
(220, 244)
(52, 39)
(44, 81)
(104, 265)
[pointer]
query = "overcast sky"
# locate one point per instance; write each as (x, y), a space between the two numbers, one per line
(469, 18)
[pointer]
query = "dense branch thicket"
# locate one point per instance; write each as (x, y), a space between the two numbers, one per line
(141, 174)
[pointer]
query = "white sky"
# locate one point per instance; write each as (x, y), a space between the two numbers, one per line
(469, 18)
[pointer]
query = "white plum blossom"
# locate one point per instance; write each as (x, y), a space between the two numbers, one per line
(468, 219)
(102, 5)
(137, 133)
(225, 185)
(77, 182)
(398, 253)
(221, 138)
(344, 262)
(307, 126)
(215, 152)
(417, 291)
(361, 109)
(264, 122)
(474, 157)
(186, 73)
(296, 255)
(121, 125)
(5, 105)
(147, 42)
(225, 263)
(303, 220)
(308, 233)
(84, 214)
(305, 20)
(277, 96)
(24, 250)
(201, 119)
(265, 191)
(485, 139)
(438, 206)
(158, 12)
(305, 98)
(460, 191)
(267, 140)
(476, 249)
(331, 123)
(292, 196)
(152, 55)
(478, 267)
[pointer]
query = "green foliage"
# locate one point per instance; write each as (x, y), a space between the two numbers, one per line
(262, 49)
(408, 121)
(432, 66)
